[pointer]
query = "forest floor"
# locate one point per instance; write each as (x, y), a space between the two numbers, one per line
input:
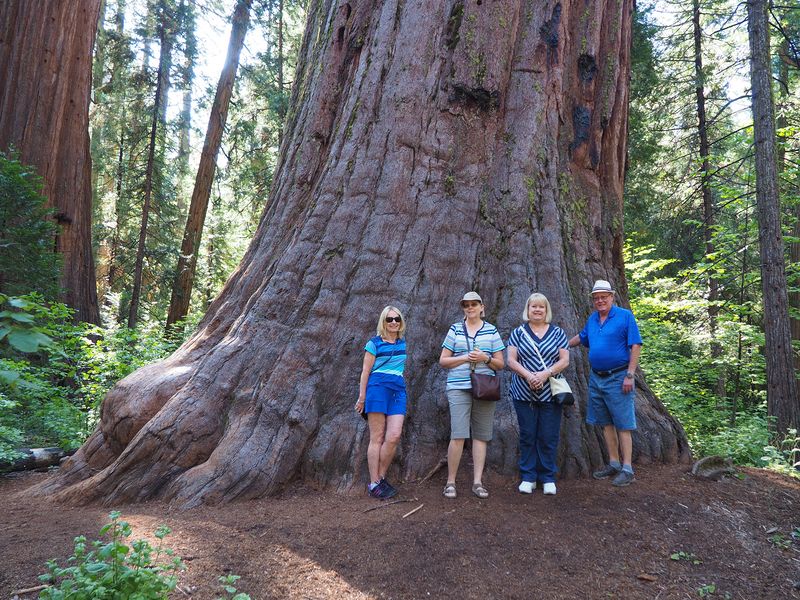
(668, 535)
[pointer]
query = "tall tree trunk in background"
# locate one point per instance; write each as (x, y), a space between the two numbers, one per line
(114, 269)
(188, 25)
(432, 147)
(709, 208)
(46, 66)
(98, 71)
(281, 83)
(187, 260)
(781, 124)
(166, 38)
(782, 400)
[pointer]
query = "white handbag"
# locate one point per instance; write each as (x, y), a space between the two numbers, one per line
(559, 388)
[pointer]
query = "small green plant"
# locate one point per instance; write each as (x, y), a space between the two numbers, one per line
(687, 556)
(706, 590)
(231, 593)
(784, 456)
(114, 569)
(780, 541)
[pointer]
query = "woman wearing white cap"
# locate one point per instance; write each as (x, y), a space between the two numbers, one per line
(471, 342)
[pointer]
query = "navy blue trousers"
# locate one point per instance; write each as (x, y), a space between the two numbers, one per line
(539, 430)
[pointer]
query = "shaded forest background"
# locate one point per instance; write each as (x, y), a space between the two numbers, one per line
(692, 254)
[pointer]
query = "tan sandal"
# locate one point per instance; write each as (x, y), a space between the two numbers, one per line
(480, 491)
(449, 490)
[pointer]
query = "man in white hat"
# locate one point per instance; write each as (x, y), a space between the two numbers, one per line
(614, 343)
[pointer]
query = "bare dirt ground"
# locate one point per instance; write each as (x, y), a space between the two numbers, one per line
(590, 541)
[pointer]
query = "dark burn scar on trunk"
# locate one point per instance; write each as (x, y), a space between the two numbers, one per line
(587, 67)
(479, 97)
(549, 29)
(581, 123)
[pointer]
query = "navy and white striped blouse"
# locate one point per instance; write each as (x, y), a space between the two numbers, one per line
(549, 345)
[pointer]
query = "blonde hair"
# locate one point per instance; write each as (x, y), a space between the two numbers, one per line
(381, 331)
(537, 297)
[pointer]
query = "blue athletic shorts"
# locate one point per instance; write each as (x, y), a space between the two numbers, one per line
(384, 399)
(608, 404)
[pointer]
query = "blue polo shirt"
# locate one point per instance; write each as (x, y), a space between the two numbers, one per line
(610, 343)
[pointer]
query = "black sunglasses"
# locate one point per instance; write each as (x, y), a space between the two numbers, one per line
(395, 319)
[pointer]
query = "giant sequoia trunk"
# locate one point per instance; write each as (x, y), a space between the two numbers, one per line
(434, 147)
(46, 67)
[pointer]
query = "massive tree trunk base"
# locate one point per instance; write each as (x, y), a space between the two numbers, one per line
(434, 147)
(159, 440)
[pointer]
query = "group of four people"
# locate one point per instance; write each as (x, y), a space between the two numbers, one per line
(537, 350)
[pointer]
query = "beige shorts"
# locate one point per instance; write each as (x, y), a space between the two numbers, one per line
(467, 414)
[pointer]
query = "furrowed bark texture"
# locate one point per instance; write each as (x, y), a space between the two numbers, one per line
(46, 66)
(783, 402)
(433, 147)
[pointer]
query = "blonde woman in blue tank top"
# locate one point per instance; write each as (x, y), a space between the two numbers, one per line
(382, 397)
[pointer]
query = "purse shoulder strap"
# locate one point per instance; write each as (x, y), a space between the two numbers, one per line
(527, 330)
(391, 356)
(472, 365)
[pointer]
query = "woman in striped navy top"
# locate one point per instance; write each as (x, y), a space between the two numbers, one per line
(382, 396)
(539, 417)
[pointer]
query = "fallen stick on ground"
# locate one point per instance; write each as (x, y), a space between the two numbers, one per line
(413, 511)
(433, 471)
(30, 590)
(385, 504)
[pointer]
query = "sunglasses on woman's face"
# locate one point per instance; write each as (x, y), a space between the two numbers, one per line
(470, 304)
(395, 319)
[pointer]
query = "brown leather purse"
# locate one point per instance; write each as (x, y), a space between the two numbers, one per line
(484, 386)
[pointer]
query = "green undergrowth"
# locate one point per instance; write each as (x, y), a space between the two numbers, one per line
(672, 312)
(118, 568)
(54, 372)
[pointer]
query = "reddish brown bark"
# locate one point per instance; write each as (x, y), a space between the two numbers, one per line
(193, 233)
(433, 147)
(46, 66)
(783, 402)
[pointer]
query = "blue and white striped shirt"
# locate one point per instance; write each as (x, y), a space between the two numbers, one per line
(390, 360)
(486, 338)
(549, 345)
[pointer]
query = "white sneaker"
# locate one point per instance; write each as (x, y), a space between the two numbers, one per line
(527, 487)
(549, 489)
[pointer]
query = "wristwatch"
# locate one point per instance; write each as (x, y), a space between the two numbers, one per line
(629, 375)
(488, 360)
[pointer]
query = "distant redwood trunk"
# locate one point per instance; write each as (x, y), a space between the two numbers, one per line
(193, 232)
(433, 147)
(46, 67)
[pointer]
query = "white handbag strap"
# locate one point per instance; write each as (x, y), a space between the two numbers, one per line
(535, 346)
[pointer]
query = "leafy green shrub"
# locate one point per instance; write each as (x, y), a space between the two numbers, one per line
(51, 385)
(673, 317)
(114, 569)
(785, 456)
(27, 260)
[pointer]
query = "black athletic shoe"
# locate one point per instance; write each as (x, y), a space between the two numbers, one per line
(378, 491)
(622, 479)
(388, 489)
(605, 472)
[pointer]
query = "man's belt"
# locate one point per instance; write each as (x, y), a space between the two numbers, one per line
(611, 372)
